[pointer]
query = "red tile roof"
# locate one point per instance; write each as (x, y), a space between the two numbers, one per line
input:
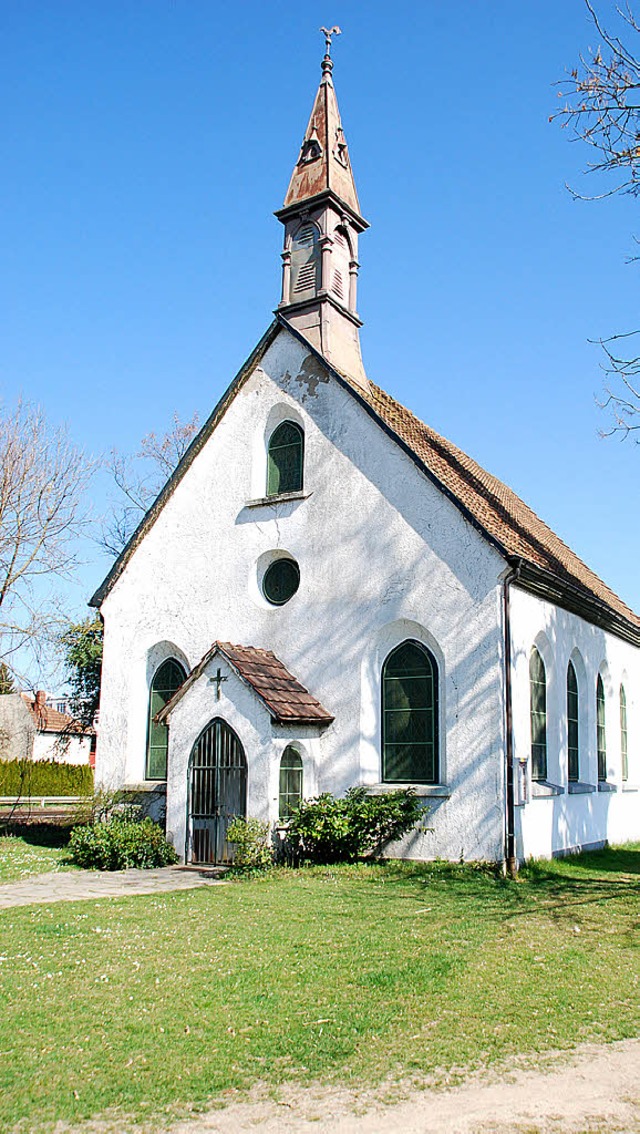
(50, 720)
(496, 508)
(286, 699)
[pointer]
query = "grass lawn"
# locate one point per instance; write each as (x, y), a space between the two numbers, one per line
(147, 1006)
(35, 850)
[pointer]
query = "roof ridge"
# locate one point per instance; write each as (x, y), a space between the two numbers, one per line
(505, 501)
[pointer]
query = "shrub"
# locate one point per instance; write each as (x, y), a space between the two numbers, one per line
(327, 829)
(250, 839)
(27, 778)
(121, 842)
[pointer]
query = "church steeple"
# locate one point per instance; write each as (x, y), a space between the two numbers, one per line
(322, 220)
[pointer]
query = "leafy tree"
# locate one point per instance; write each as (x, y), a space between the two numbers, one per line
(43, 478)
(82, 648)
(602, 109)
(140, 478)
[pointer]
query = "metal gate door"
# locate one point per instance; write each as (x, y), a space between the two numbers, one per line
(217, 792)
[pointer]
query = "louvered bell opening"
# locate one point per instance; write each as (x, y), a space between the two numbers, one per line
(337, 285)
(305, 261)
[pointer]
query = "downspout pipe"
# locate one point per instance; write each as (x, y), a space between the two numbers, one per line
(511, 860)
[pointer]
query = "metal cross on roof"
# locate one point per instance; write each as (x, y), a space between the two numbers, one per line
(328, 33)
(217, 681)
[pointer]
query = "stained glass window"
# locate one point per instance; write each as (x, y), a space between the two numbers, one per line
(281, 581)
(410, 716)
(538, 705)
(290, 782)
(573, 749)
(285, 459)
(601, 733)
(624, 740)
(167, 679)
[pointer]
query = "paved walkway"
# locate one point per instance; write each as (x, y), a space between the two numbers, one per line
(75, 885)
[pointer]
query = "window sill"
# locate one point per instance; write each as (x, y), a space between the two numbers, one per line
(578, 788)
(542, 789)
(603, 785)
(280, 498)
(440, 791)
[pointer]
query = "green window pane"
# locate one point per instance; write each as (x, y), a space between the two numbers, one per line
(624, 739)
(538, 707)
(166, 681)
(601, 732)
(281, 581)
(573, 751)
(285, 459)
(290, 783)
(410, 716)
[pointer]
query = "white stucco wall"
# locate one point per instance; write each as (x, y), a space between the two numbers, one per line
(64, 749)
(263, 744)
(383, 555)
(565, 821)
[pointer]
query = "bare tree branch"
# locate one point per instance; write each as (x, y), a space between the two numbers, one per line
(43, 478)
(602, 109)
(140, 478)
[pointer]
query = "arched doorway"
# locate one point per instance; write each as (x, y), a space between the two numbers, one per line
(217, 792)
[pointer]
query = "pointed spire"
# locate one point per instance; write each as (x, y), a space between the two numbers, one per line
(322, 224)
(324, 162)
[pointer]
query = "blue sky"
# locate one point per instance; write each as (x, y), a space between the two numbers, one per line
(147, 142)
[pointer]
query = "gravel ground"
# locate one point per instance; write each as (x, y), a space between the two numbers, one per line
(595, 1090)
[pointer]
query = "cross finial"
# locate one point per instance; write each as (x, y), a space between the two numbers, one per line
(328, 33)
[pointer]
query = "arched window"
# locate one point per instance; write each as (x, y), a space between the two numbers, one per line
(290, 782)
(601, 732)
(166, 680)
(624, 740)
(305, 262)
(538, 705)
(410, 716)
(285, 459)
(573, 742)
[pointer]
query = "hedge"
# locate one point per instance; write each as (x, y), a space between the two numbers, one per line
(44, 777)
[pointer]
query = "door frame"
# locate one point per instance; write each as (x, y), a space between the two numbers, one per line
(218, 819)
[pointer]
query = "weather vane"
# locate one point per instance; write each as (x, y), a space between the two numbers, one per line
(328, 33)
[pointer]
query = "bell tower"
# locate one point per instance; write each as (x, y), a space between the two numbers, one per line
(322, 224)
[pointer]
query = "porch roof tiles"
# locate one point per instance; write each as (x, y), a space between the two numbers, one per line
(286, 699)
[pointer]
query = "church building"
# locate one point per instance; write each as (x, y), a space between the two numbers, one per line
(327, 593)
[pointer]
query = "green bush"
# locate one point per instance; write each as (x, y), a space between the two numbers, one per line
(250, 837)
(327, 829)
(27, 778)
(121, 842)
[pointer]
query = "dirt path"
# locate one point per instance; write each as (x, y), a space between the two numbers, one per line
(596, 1090)
(79, 884)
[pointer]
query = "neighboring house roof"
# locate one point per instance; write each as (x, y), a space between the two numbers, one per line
(286, 699)
(50, 720)
(546, 565)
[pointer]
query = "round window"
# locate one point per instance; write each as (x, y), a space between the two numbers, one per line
(281, 581)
